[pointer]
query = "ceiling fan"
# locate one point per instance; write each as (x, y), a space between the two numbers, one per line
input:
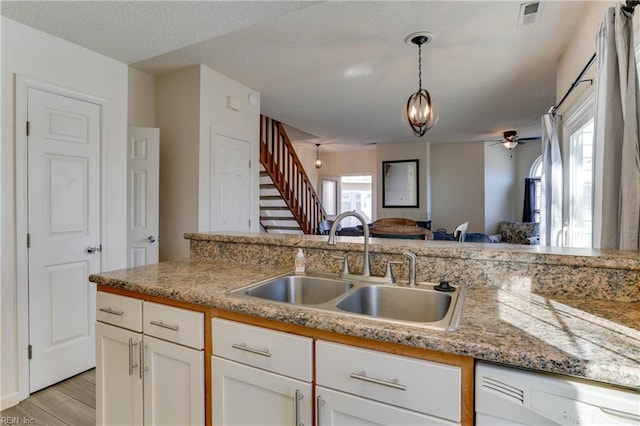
(511, 139)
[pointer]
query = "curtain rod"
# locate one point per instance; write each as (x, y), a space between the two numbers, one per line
(578, 80)
(630, 5)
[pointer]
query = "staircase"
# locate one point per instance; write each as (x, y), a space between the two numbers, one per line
(288, 202)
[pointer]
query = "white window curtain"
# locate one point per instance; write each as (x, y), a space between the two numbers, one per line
(551, 181)
(616, 189)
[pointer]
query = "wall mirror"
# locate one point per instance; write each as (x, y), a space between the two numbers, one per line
(400, 183)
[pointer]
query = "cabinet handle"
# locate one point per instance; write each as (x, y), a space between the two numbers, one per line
(111, 311)
(131, 364)
(163, 325)
(244, 347)
(299, 397)
(142, 367)
(319, 403)
(393, 384)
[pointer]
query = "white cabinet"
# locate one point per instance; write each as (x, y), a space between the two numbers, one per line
(383, 388)
(118, 385)
(260, 376)
(342, 409)
(131, 363)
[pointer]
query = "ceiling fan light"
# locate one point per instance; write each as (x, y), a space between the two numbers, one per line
(509, 144)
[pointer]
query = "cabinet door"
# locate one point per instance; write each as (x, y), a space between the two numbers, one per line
(173, 383)
(244, 395)
(118, 381)
(337, 409)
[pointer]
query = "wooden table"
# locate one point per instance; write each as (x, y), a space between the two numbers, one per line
(401, 231)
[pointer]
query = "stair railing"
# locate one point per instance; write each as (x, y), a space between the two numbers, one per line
(282, 164)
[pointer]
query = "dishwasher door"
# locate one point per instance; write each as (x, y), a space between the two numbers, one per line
(509, 396)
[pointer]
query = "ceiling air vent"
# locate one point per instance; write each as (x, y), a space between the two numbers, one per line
(529, 13)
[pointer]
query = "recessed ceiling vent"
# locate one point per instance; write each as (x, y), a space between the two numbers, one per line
(529, 13)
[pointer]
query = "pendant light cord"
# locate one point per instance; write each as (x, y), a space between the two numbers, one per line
(420, 67)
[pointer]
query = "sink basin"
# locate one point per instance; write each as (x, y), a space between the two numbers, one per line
(398, 303)
(420, 306)
(303, 290)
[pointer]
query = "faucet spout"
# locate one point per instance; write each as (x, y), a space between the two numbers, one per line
(412, 267)
(366, 268)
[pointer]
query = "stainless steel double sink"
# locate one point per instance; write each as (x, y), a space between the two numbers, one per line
(421, 305)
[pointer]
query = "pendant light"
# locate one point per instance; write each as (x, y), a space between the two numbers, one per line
(420, 113)
(318, 162)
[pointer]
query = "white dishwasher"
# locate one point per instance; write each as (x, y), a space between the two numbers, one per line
(509, 396)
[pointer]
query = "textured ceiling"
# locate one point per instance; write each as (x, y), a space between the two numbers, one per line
(341, 70)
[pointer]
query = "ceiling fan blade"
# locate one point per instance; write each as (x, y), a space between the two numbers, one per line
(536, 138)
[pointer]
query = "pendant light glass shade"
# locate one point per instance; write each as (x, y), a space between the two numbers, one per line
(318, 162)
(420, 112)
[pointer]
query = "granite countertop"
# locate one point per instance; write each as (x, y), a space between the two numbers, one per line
(592, 339)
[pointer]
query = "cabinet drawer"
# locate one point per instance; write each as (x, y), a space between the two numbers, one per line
(122, 311)
(270, 350)
(424, 386)
(174, 324)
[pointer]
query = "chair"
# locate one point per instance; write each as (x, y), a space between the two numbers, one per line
(394, 221)
(460, 231)
(324, 226)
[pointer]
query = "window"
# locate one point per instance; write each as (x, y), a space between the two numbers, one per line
(580, 183)
(535, 173)
(348, 193)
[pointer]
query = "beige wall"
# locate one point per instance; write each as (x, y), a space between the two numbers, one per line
(142, 99)
(499, 186)
(580, 49)
(457, 185)
(178, 117)
(38, 56)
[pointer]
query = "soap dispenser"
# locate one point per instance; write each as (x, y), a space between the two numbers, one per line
(300, 263)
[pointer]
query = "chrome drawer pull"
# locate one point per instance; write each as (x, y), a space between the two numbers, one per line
(244, 347)
(111, 311)
(143, 369)
(163, 325)
(131, 364)
(319, 404)
(298, 397)
(363, 376)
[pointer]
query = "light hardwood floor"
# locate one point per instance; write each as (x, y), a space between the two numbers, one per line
(71, 402)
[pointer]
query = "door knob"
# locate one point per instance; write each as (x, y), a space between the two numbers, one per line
(93, 249)
(151, 239)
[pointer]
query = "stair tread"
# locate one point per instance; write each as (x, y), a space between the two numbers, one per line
(270, 197)
(274, 208)
(288, 218)
(281, 227)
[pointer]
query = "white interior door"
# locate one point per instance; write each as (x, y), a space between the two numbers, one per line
(64, 228)
(143, 167)
(231, 196)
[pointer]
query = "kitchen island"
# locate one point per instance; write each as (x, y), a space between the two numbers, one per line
(574, 313)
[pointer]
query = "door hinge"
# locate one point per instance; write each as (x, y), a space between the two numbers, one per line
(249, 223)
(249, 163)
(30, 351)
(28, 128)
(28, 240)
